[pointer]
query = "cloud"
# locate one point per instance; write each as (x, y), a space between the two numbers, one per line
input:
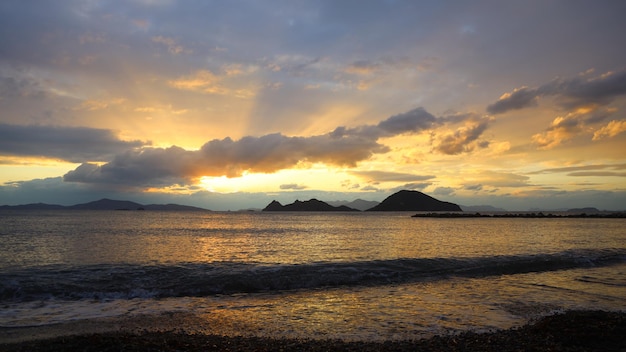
(292, 186)
(202, 81)
(597, 174)
(498, 179)
(296, 65)
(343, 147)
(561, 129)
(570, 93)
(94, 104)
(418, 186)
(206, 82)
(74, 144)
(464, 139)
(363, 67)
(474, 187)
(577, 170)
(21, 87)
(578, 122)
(138, 167)
(519, 98)
(170, 43)
(443, 191)
(612, 129)
(388, 176)
(410, 122)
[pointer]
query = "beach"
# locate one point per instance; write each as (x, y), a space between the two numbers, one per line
(569, 331)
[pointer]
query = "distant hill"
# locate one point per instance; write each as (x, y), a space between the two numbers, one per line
(176, 207)
(108, 204)
(407, 200)
(583, 210)
(308, 205)
(358, 204)
(33, 206)
(487, 208)
(104, 204)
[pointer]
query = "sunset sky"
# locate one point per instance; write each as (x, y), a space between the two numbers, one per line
(230, 104)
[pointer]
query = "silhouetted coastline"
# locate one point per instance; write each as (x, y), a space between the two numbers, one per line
(531, 215)
(104, 204)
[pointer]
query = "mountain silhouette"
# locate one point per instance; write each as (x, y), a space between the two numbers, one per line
(407, 200)
(108, 204)
(308, 205)
(103, 204)
(358, 204)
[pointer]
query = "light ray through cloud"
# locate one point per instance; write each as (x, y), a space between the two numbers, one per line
(504, 104)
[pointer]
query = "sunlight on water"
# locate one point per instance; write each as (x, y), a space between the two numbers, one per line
(362, 313)
(346, 275)
(171, 237)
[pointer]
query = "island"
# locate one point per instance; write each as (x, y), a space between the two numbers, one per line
(407, 200)
(308, 205)
(104, 204)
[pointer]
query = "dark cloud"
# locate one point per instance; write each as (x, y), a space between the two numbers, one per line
(388, 176)
(273, 152)
(266, 154)
(413, 121)
(570, 93)
(464, 139)
(74, 144)
(581, 168)
(579, 91)
(14, 87)
(363, 67)
(417, 186)
(444, 191)
(140, 167)
(520, 98)
(292, 186)
(476, 187)
(597, 174)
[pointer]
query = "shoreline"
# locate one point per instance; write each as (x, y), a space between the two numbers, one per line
(522, 215)
(584, 330)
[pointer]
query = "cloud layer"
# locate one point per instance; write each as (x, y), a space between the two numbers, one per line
(343, 147)
(570, 93)
(73, 144)
(150, 96)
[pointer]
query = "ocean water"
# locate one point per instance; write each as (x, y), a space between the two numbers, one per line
(354, 276)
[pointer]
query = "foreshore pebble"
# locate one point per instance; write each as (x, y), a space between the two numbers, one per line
(569, 331)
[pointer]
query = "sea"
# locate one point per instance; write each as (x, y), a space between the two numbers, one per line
(365, 276)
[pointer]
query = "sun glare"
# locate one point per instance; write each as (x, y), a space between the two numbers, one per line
(314, 178)
(222, 184)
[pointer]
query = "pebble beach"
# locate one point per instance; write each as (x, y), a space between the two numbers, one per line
(568, 331)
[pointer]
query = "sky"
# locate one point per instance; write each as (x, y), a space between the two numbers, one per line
(228, 105)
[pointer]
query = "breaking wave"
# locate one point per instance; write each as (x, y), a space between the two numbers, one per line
(205, 279)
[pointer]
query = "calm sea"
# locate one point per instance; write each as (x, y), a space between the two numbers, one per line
(355, 276)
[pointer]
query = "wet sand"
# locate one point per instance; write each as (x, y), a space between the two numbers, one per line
(570, 331)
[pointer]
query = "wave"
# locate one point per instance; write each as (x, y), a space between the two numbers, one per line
(204, 279)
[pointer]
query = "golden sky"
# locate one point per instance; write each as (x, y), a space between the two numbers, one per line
(230, 104)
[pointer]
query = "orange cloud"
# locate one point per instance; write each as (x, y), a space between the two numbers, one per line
(170, 43)
(92, 105)
(205, 81)
(611, 130)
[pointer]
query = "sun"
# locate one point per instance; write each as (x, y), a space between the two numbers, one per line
(221, 184)
(318, 177)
